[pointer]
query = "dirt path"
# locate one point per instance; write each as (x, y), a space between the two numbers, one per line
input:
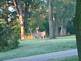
(45, 57)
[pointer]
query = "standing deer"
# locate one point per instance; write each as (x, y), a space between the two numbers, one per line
(42, 34)
(39, 34)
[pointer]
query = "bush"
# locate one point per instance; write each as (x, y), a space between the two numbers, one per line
(9, 35)
(43, 26)
(70, 27)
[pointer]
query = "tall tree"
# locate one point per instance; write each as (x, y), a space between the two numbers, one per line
(51, 20)
(77, 24)
(18, 4)
(22, 10)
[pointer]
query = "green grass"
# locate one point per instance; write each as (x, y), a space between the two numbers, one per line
(36, 47)
(73, 58)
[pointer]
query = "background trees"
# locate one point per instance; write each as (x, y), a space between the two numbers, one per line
(37, 13)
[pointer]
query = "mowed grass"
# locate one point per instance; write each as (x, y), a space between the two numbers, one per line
(40, 46)
(73, 58)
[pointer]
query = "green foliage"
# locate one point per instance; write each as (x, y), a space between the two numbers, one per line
(43, 26)
(9, 35)
(9, 30)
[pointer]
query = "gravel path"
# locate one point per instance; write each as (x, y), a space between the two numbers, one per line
(45, 57)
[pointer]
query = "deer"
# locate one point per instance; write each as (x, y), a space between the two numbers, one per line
(39, 34)
(42, 34)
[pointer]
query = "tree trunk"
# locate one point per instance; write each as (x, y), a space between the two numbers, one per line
(26, 19)
(21, 27)
(20, 13)
(77, 24)
(51, 21)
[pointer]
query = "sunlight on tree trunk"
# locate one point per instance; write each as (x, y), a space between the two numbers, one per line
(22, 27)
(20, 19)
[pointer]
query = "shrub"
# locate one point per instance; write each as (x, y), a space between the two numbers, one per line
(9, 35)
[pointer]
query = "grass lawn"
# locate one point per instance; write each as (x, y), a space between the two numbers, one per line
(35, 47)
(73, 58)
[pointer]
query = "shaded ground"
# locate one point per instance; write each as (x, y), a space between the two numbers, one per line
(71, 58)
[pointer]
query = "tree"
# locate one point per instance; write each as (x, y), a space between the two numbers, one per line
(20, 10)
(65, 10)
(51, 20)
(77, 24)
(23, 14)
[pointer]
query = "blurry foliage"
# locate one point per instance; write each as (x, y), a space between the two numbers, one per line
(9, 31)
(9, 35)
